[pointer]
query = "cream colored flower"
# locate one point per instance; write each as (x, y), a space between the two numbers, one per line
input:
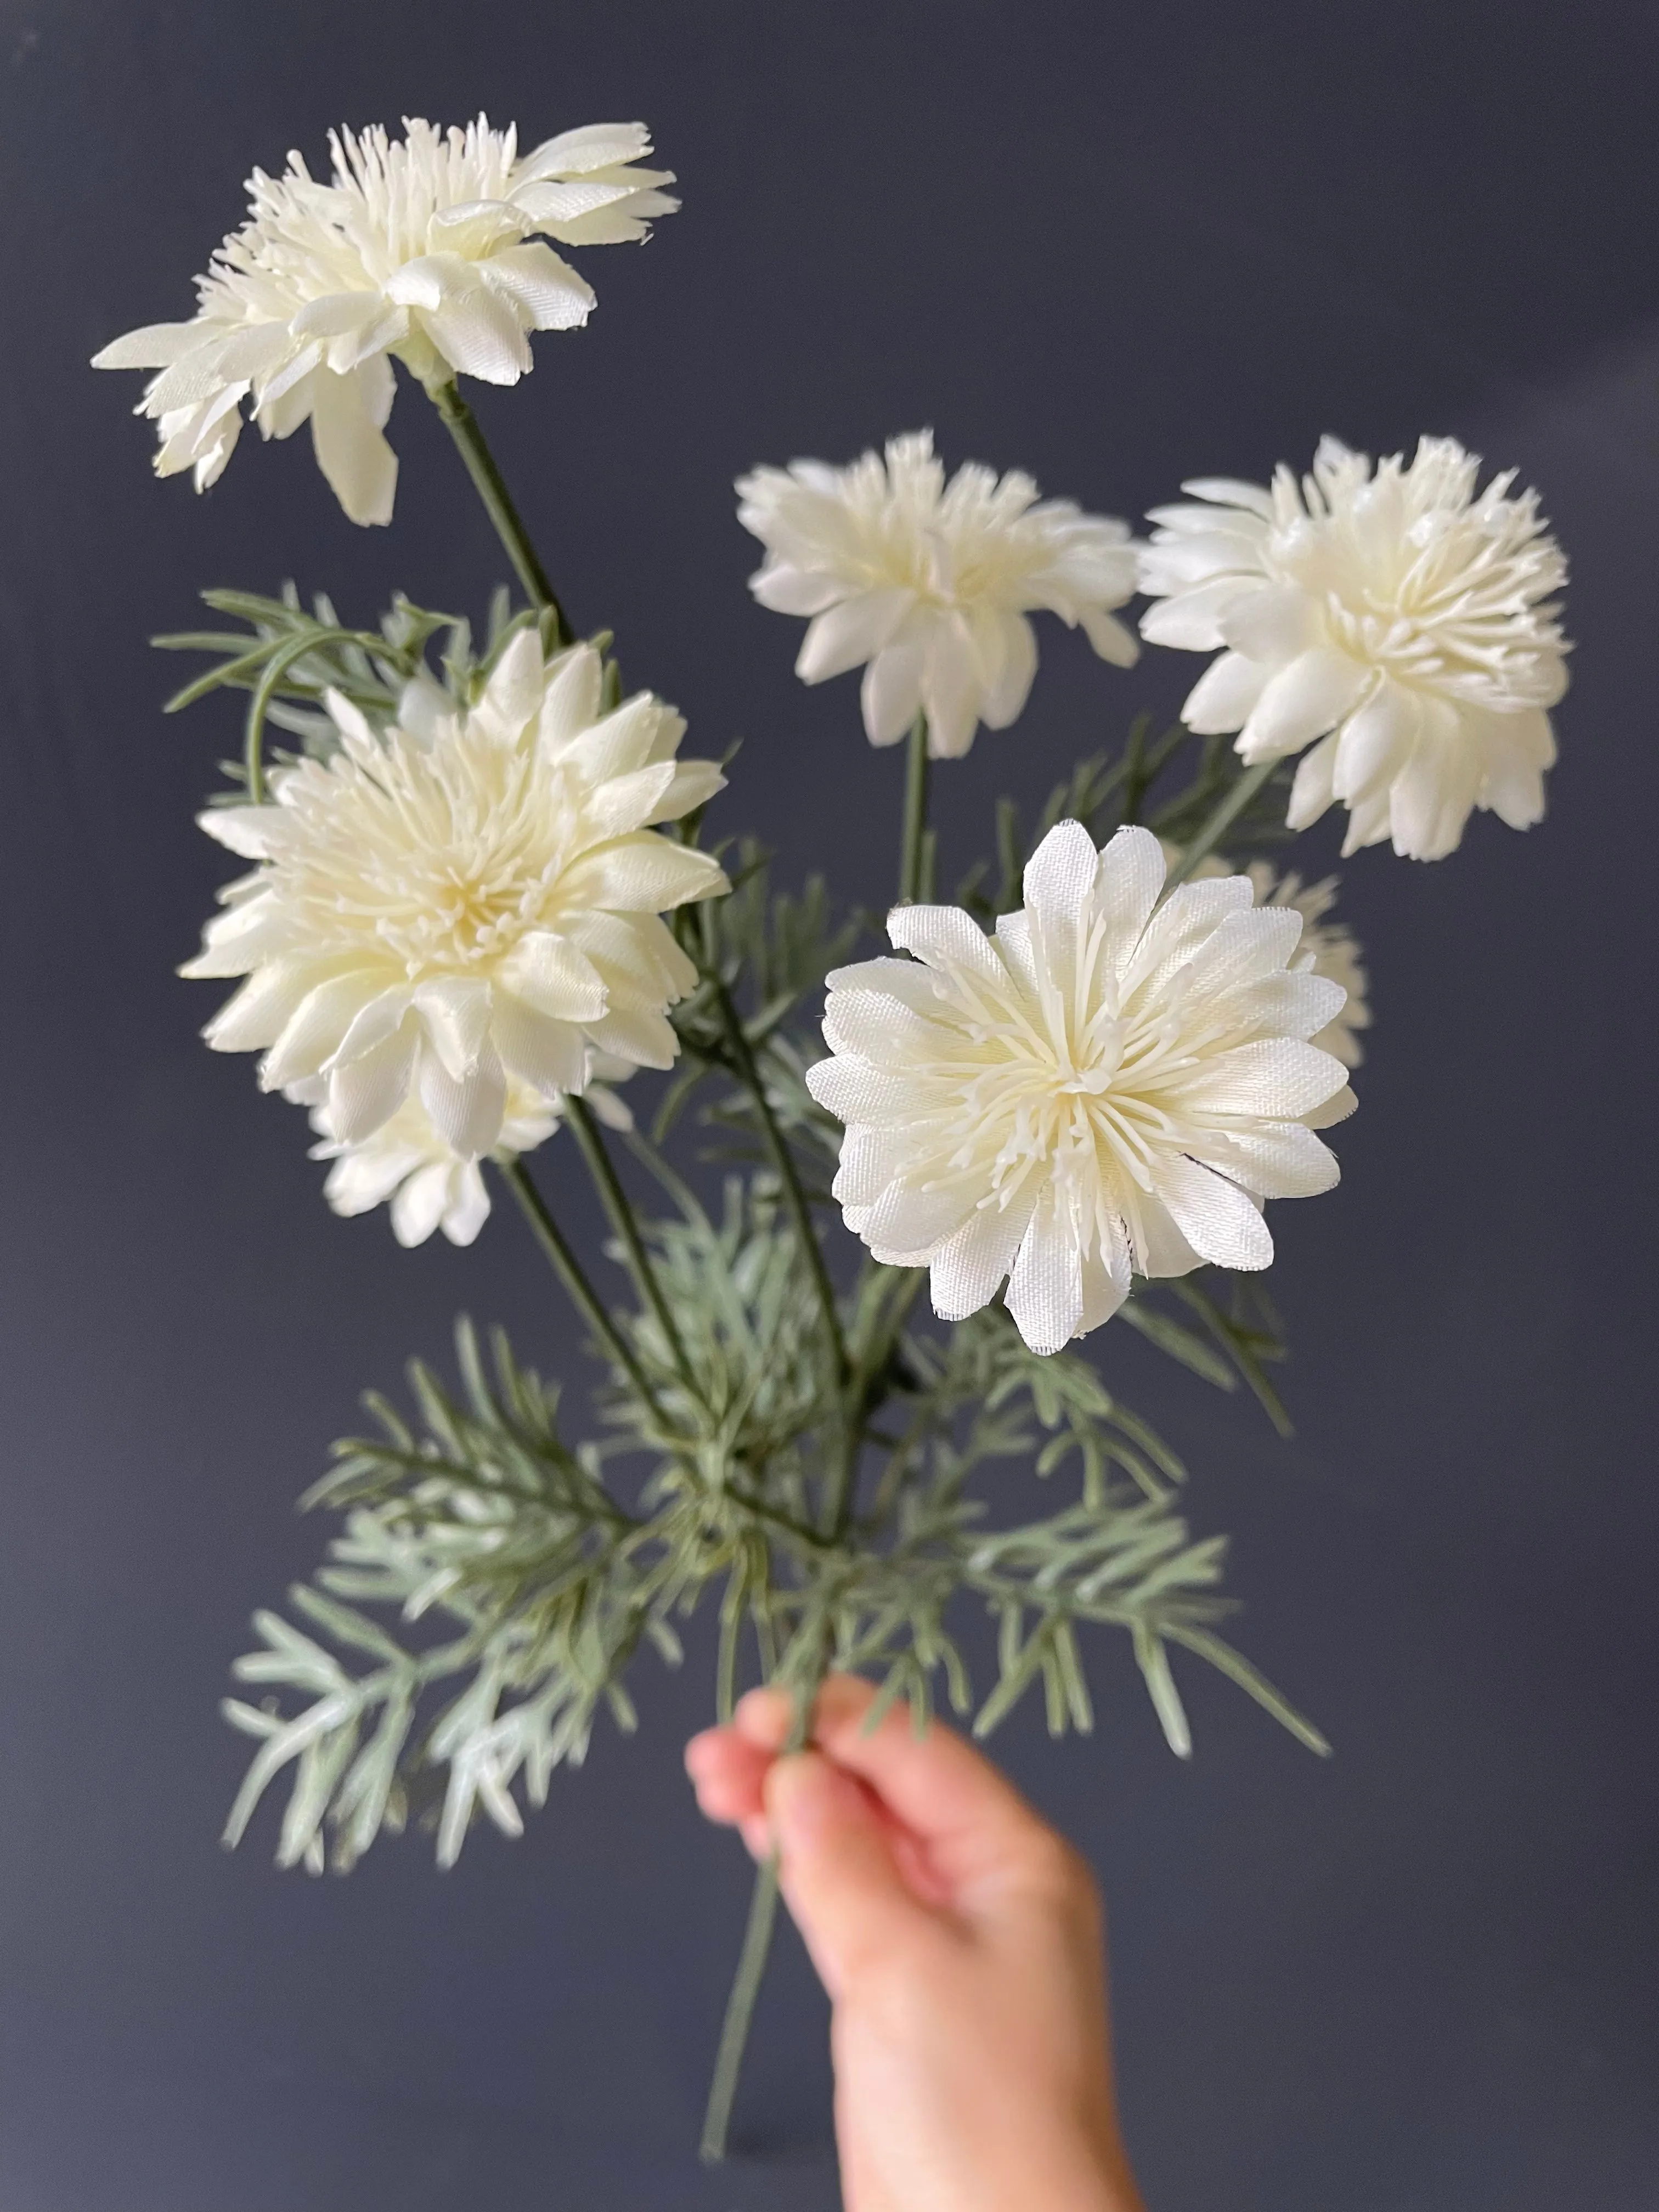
(421, 249)
(928, 585)
(470, 896)
(429, 1185)
(1406, 624)
(1107, 1086)
(1327, 948)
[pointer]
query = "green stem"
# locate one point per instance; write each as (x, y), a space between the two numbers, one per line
(463, 426)
(568, 1267)
(838, 1499)
(794, 1195)
(1221, 819)
(1135, 778)
(740, 2010)
(912, 855)
(614, 1198)
(751, 1966)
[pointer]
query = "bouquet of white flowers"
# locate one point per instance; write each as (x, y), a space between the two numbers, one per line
(486, 890)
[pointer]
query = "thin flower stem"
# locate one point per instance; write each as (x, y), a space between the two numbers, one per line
(1222, 819)
(615, 1202)
(463, 426)
(794, 1195)
(752, 1963)
(911, 856)
(837, 1503)
(568, 1267)
(740, 2009)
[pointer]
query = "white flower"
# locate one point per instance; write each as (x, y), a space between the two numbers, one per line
(929, 584)
(469, 896)
(429, 1185)
(423, 249)
(1107, 1085)
(1327, 948)
(1407, 624)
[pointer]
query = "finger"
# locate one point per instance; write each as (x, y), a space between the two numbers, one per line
(839, 1875)
(728, 1772)
(975, 1825)
(723, 1750)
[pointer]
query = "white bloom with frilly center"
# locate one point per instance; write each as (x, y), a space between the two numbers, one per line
(422, 248)
(1402, 626)
(928, 586)
(429, 1185)
(1108, 1085)
(469, 896)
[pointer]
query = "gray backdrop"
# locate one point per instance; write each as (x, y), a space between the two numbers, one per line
(1115, 244)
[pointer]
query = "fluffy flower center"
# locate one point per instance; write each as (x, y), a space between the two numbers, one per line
(389, 203)
(1417, 578)
(440, 863)
(1047, 1085)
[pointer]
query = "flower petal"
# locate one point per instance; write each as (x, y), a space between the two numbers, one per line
(156, 345)
(1045, 1286)
(1374, 743)
(365, 1092)
(967, 1272)
(642, 874)
(1311, 789)
(848, 634)
(1215, 1217)
(551, 295)
(422, 1202)
(313, 1032)
(468, 1205)
(1301, 703)
(1191, 620)
(890, 697)
(360, 468)
(551, 1055)
(1225, 696)
(455, 1011)
(1277, 1159)
(1131, 875)
(787, 589)
(1277, 1079)
(466, 1113)
(555, 977)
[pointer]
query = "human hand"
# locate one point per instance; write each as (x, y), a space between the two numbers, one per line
(959, 1939)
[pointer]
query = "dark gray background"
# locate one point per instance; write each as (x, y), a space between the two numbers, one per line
(1115, 244)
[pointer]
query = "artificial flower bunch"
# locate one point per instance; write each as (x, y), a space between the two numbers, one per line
(486, 890)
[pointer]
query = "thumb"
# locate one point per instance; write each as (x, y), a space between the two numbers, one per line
(838, 1872)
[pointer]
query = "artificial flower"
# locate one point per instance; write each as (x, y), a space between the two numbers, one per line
(471, 896)
(1402, 626)
(928, 586)
(1106, 1086)
(429, 1185)
(423, 249)
(1327, 948)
